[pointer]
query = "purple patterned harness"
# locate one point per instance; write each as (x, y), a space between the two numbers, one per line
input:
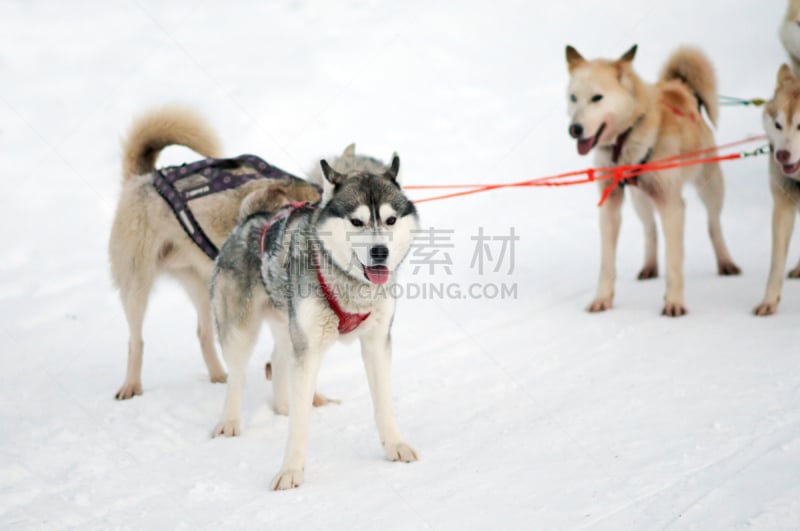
(209, 176)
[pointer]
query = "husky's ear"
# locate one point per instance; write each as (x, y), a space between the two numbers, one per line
(785, 75)
(349, 151)
(394, 169)
(574, 59)
(628, 56)
(333, 176)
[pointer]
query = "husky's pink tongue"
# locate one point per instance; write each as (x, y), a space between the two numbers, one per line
(377, 274)
(790, 169)
(585, 145)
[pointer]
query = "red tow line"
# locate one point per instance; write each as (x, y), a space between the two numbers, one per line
(615, 174)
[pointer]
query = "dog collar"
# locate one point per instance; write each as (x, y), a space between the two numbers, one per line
(617, 149)
(347, 321)
(617, 152)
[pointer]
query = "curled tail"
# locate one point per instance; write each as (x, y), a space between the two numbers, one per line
(691, 67)
(163, 127)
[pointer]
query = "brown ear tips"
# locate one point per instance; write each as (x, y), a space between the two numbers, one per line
(573, 56)
(628, 56)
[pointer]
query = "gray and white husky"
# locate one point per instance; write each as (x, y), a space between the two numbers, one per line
(317, 274)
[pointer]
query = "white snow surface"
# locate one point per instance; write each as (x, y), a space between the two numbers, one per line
(527, 413)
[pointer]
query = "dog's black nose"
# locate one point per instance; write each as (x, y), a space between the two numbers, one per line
(783, 156)
(576, 131)
(379, 253)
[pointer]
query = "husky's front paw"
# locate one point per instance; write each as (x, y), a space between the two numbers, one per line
(766, 308)
(400, 451)
(287, 479)
(599, 305)
(227, 428)
(728, 269)
(795, 273)
(674, 309)
(129, 390)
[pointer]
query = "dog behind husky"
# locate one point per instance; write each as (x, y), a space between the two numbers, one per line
(781, 124)
(790, 34)
(148, 241)
(631, 122)
(317, 274)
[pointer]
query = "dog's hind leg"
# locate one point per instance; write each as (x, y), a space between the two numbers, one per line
(133, 270)
(198, 292)
(644, 209)
(238, 323)
(134, 297)
(711, 190)
(376, 351)
(237, 348)
(610, 221)
(673, 210)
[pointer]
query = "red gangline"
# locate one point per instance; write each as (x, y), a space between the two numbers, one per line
(617, 173)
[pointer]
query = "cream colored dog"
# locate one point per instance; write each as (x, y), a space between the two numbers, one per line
(147, 240)
(629, 121)
(781, 122)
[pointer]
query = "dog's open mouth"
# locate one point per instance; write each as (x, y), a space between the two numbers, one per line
(585, 145)
(376, 274)
(790, 169)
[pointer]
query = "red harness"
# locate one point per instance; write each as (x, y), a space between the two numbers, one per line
(347, 321)
(677, 112)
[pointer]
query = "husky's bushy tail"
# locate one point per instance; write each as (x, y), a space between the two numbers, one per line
(157, 129)
(691, 67)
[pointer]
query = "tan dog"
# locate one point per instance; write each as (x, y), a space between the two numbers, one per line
(781, 122)
(147, 240)
(790, 34)
(631, 122)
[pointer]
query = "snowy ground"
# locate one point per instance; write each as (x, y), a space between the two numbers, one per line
(527, 413)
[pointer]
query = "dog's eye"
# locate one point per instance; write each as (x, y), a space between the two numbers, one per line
(391, 220)
(573, 98)
(778, 126)
(596, 98)
(356, 222)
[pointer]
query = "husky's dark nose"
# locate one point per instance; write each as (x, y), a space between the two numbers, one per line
(783, 156)
(576, 131)
(379, 253)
